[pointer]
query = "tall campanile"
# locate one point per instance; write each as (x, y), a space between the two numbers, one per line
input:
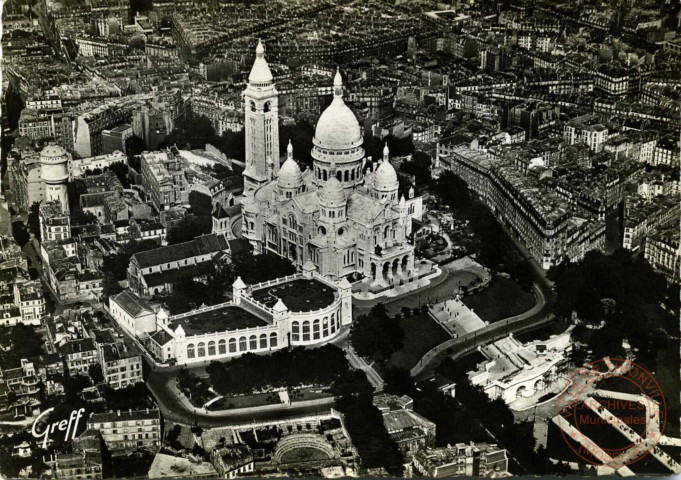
(261, 124)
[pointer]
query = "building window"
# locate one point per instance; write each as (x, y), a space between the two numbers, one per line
(306, 330)
(325, 327)
(232, 345)
(295, 331)
(211, 348)
(222, 347)
(201, 350)
(273, 340)
(190, 350)
(263, 341)
(315, 330)
(242, 344)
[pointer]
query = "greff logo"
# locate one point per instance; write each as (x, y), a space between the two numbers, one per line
(70, 426)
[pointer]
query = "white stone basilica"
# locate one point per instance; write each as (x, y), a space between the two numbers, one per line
(344, 215)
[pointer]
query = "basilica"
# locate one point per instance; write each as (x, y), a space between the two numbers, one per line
(345, 215)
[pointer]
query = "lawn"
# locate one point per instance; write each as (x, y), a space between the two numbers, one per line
(245, 401)
(503, 298)
(421, 333)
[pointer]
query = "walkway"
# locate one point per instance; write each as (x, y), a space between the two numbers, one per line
(358, 363)
(440, 288)
(457, 347)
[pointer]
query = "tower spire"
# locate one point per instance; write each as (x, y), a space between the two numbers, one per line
(338, 84)
(289, 150)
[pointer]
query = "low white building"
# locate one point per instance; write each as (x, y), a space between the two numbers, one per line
(301, 309)
(132, 313)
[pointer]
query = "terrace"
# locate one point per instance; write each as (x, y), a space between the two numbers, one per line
(216, 320)
(298, 295)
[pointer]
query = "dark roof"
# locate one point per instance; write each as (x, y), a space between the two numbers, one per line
(161, 337)
(131, 303)
(209, 243)
(117, 351)
(77, 346)
(104, 336)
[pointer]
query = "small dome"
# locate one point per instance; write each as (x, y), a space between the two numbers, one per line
(52, 150)
(260, 72)
(333, 195)
(290, 175)
(386, 177)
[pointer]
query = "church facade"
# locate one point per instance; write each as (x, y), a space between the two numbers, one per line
(345, 215)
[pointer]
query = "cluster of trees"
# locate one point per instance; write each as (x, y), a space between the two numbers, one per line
(283, 368)
(189, 293)
(419, 166)
(190, 227)
(622, 296)
(34, 220)
(496, 251)
(354, 398)
(20, 233)
(399, 147)
(376, 335)
(24, 342)
(493, 415)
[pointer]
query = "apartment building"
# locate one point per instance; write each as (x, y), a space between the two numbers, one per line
(123, 431)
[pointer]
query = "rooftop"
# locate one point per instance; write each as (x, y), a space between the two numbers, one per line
(298, 295)
(228, 317)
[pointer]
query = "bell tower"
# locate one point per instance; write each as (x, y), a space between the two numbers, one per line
(261, 125)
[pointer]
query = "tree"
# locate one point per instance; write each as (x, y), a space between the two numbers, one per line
(200, 203)
(260, 268)
(34, 220)
(376, 334)
(82, 217)
(452, 190)
(419, 166)
(134, 145)
(189, 228)
(110, 285)
(20, 233)
(95, 372)
(121, 171)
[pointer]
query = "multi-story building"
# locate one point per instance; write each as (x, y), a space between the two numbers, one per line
(641, 217)
(233, 461)
(29, 298)
(121, 364)
(586, 129)
(474, 460)
(667, 151)
(409, 430)
(537, 216)
(25, 177)
(79, 166)
(123, 431)
(79, 354)
(154, 271)
(163, 178)
(55, 224)
(663, 253)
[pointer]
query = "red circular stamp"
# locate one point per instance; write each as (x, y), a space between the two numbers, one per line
(612, 413)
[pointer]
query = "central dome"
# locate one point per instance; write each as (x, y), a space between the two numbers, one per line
(337, 128)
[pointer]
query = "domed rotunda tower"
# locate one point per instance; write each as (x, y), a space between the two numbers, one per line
(54, 166)
(338, 139)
